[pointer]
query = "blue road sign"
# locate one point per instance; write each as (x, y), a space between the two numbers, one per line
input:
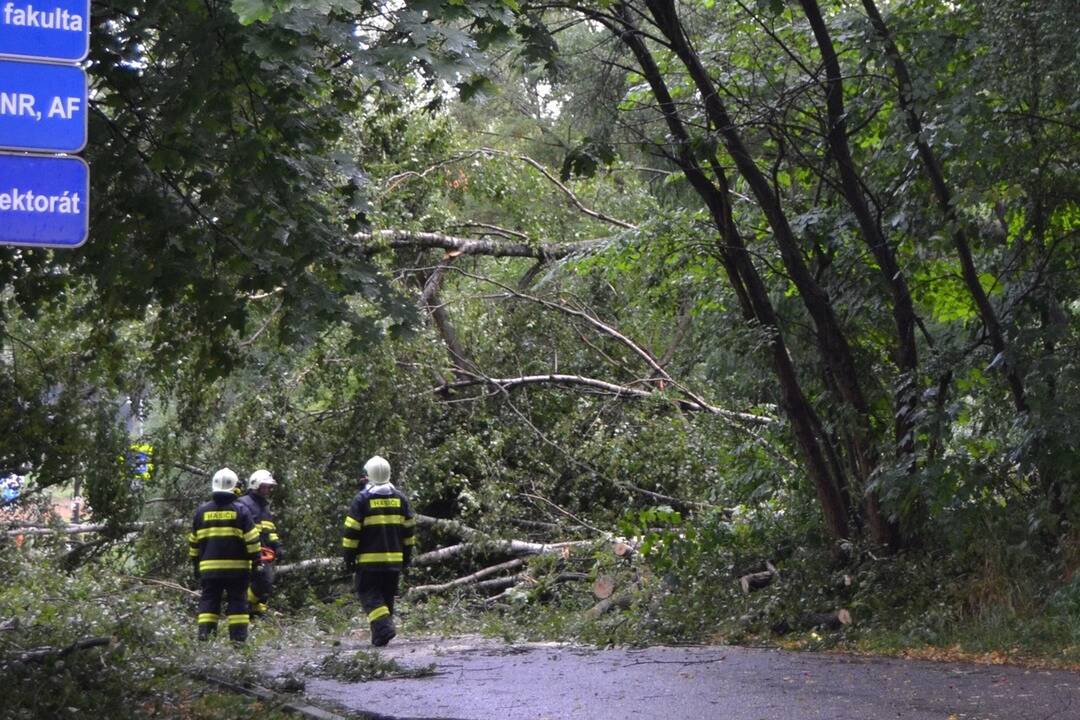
(44, 201)
(45, 29)
(42, 107)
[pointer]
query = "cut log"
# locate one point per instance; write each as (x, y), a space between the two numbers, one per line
(603, 587)
(758, 580)
(809, 621)
(615, 602)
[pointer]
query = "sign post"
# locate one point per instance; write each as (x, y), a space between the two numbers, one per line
(44, 192)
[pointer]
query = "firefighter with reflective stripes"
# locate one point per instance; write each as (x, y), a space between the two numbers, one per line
(260, 485)
(223, 546)
(377, 544)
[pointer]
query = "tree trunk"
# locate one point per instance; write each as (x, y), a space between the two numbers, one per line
(903, 310)
(749, 288)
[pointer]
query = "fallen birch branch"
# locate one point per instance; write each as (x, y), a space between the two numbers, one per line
(475, 577)
(80, 528)
(162, 583)
(476, 541)
(508, 584)
(42, 653)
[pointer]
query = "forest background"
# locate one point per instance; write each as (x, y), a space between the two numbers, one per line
(787, 290)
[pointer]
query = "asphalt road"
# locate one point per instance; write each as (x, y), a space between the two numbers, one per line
(482, 679)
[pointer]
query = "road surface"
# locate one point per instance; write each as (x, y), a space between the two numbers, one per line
(484, 679)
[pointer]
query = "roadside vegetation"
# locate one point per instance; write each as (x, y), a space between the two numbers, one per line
(795, 364)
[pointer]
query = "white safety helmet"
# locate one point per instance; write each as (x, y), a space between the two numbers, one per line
(224, 480)
(377, 470)
(260, 477)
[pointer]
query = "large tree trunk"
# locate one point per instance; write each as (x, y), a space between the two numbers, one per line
(751, 291)
(835, 349)
(906, 355)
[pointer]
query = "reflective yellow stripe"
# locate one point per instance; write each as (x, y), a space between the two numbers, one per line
(409, 541)
(409, 522)
(250, 535)
(351, 522)
(393, 557)
(350, 543)
(381, 611)
(383, 520)
(191, 538)
(210, 532)
(207, 618)
(268, 525)
(192, 552)
(253, 548)
(224, 565)
(385, 503)
(274, 537)
(238, 619)
(252, 598)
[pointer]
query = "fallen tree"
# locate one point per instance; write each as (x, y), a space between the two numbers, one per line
(475, 577)
(477, 542)
(41, 654)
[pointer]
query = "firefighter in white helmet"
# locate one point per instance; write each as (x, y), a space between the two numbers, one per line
(260, 486)
(223, 546)
(377, 544)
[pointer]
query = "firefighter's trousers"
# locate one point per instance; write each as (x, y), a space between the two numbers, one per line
(262, 585)
(236, 606)
(376, 590)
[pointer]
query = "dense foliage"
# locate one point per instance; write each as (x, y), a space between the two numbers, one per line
(758, 282)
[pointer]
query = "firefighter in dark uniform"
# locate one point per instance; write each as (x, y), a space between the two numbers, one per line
(224, 546)
(257, 499)
(377, 544)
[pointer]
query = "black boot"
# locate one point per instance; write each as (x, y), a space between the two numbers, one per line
(382, 631)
